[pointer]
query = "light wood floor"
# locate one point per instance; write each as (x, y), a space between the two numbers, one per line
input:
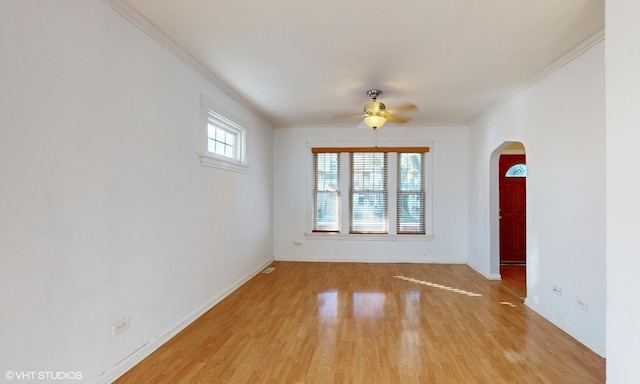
(514, 279)
(370, 323)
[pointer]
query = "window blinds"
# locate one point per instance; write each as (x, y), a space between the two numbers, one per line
(326, 192)
(369, 192)
(411, 193)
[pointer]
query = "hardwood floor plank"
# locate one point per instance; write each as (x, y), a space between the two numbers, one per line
(370, 323)
(514, 279)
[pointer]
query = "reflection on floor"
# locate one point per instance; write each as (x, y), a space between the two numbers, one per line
(439, 286)
(514, 279)
(360, 323)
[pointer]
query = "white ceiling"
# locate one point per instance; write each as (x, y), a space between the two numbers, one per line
(301, 62)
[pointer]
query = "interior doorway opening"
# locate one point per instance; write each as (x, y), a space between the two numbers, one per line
(511, 215)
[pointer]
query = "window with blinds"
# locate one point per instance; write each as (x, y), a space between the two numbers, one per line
(368, 192)
(411, 193)
(372, 176)
(326, 192)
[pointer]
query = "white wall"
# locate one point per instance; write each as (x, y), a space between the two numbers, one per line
(292, 208)
(105, 211)
(623, 188)
(561, 122)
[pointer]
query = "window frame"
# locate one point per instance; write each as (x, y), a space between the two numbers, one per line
(421, 192)
(343, 148)
(316, 226)
(226, 121)
(382, 190)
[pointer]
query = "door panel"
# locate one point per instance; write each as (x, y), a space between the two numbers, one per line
(513, 206)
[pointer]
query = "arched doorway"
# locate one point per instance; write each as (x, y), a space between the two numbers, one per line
(512, 189)
(513, 275)
(512, 176)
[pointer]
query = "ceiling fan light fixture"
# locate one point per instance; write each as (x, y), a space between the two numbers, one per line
(376, 114)
(375, 121)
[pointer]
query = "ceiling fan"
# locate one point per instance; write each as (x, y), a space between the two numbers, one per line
(376, 113)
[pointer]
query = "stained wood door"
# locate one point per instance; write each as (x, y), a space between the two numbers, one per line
(513, 193)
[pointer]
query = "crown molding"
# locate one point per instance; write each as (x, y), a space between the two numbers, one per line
(344, 125)
(568, 57)
(137, 19)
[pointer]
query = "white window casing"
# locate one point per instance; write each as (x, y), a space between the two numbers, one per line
(222, 140)
(394, 199)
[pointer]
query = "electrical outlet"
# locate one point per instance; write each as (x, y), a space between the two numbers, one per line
(120, 326)
(582, 303)
(297, 243)
(556, 290)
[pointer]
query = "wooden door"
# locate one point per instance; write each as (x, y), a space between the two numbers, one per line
(513, 191)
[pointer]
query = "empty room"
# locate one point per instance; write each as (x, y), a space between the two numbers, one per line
(338, 192)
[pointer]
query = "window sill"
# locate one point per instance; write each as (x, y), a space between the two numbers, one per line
(366, 237)
(223, 163)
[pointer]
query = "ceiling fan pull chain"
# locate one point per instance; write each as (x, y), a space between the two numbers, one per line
(375, 131)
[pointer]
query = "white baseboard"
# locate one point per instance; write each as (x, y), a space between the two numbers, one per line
(368, 260)
(493, 276)
(581, 337)
(148, 348)
(489, 276)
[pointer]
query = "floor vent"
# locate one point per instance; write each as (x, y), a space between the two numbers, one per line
(268, 269)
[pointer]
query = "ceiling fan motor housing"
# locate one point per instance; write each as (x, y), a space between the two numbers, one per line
(374, 93)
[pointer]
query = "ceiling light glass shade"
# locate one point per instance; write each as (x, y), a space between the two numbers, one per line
(374, 121)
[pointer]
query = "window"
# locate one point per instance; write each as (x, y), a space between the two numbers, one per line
(223, 142)
(326, 192)
(517, 170)
(388, 191)
(411, 193)
(368, 191)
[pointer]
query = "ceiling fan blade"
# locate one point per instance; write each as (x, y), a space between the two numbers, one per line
(403, 108)
(397, 119)
(346, 116)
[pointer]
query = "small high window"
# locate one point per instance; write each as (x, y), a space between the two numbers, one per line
(224, 137)
(223, 142)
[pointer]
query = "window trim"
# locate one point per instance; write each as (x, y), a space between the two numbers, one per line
(367, 236)
(227, 121)
(383, 191)
(422, 192)
(359, 146)
(316, 191)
